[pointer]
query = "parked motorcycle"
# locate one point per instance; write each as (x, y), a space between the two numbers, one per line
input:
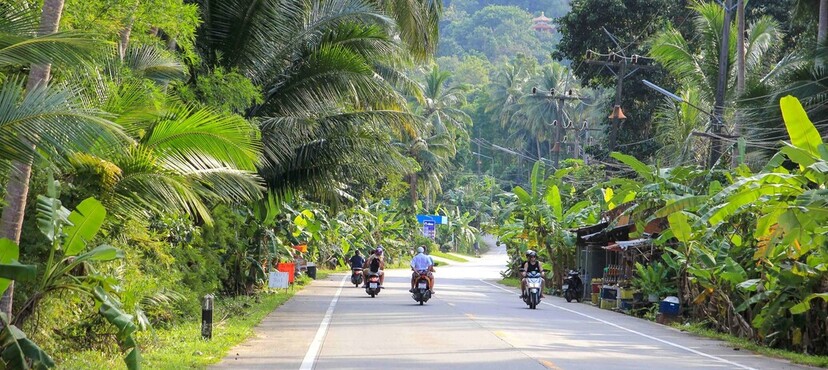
(532, 294)
(421, 292)
(356, 277)
(573, 286)
(373, 287)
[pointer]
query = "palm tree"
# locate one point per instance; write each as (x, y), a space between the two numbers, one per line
(540, 111)
(432, 155)
(417, 23)
(675, 125)
(697, 71)
(328, 71)
(180, 159)
(40, 118)
(508, 86)
(441, 107)
(434, 148)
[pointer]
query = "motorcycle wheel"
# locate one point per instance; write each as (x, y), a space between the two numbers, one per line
(373, 295)
(568, 295)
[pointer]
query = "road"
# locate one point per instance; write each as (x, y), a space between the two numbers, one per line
(471, 323)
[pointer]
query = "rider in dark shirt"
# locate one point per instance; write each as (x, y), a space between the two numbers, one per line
(531, 264)
(357, 261)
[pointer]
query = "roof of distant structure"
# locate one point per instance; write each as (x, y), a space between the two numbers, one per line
(542, 18)
(542, 27)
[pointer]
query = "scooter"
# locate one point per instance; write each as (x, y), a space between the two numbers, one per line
(421, 292)
(573, 287)
(356, 277)
(373, 286)
(532, 294)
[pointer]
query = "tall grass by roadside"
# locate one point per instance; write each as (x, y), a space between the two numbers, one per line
(181, 346)
(450, 257)
(741, 343)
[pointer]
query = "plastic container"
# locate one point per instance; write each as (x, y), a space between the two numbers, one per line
(312, 270)
(608, 304)
(670, 306)
(626, 293)
(288, 267)
(595, 298)
(609, 293)
(626, 304)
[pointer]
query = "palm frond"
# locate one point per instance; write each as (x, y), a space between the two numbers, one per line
(62, 48)
(187, 132)
(152, 63)
(53, 118)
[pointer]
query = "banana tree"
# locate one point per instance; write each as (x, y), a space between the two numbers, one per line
(71, 265)
(19, 352)
(782, 267)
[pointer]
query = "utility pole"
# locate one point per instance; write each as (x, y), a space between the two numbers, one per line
(721, 87)
(478, 158)
(619, 88)
(740, 73)
(623, 64)
(740, 47)
(558, 99)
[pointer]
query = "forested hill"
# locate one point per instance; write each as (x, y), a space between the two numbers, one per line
(553, 8)
(497, 29)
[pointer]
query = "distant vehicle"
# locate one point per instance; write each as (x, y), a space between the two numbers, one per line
(421, 293)
(532, 294)
(356, 277)
(373, 288)
(573, 286)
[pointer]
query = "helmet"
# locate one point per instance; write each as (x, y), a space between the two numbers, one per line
(420, 249)
(379, 250)
(531, 253)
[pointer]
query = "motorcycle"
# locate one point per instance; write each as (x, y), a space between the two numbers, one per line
(356, 277)
(573, 287)
(532, 294)
(421, 292)
(373, 287)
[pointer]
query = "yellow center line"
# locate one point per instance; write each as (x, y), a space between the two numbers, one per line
(549, 364)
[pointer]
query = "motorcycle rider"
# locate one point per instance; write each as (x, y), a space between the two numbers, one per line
(531, 264)
(375, 263)
(422, 262)
(357, 262)
(371, 254)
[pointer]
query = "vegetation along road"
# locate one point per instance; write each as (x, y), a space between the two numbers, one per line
(472, 323)
(161, 156)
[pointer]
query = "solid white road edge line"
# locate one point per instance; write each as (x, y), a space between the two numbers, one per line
(676, 345)
(316, 345)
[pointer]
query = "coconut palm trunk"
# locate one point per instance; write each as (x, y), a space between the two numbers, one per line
(822, 31)
(17, 189)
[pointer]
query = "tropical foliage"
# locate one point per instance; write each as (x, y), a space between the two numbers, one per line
(201, 143)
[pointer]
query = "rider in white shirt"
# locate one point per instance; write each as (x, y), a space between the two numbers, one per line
(422, 262)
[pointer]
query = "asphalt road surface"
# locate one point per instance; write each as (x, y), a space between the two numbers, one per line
(471, 323)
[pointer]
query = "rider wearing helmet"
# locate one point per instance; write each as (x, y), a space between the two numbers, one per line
(531, 264)
(375, 263)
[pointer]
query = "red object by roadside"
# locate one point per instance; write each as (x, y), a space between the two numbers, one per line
(288, 267)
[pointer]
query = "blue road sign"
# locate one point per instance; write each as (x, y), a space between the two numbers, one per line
(437, 219)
